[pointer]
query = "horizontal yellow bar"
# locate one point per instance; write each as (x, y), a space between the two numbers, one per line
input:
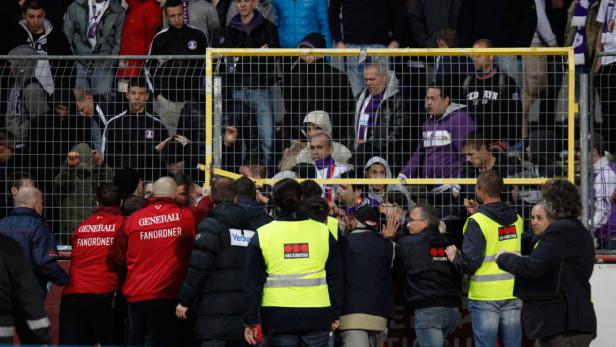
(410, 52)
(409, 181)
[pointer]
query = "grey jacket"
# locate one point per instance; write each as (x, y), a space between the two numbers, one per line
(107, 36)
(27, 99)
(203, 16)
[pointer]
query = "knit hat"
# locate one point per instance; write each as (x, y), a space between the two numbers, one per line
(312, 40)
(368, 216)
(127, 181)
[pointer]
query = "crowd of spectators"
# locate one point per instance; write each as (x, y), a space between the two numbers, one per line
(69, 124)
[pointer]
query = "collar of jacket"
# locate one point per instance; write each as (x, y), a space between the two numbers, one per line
(47, 28)
(113, 6)
(25, 211)
(108, 210)
(236, 22)
(161, 200)
(285, 216)
(362, 230)
(428, 229)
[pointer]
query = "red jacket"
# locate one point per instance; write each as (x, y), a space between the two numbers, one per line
(155, 244)
(144, 19)
(91, 242)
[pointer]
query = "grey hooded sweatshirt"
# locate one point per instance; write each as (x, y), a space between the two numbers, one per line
(340, 152)
(392, 187)
(27, 99)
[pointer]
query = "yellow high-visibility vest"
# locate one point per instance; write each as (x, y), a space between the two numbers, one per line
(489, 282)
(295, 253)
(332, 225)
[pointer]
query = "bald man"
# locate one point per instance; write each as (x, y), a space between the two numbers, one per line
(155, 244)
(26, 225)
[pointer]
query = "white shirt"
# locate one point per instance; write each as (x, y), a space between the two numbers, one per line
(604, 186)
(607, 39)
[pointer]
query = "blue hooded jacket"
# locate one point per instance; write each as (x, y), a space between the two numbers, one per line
(298, 18)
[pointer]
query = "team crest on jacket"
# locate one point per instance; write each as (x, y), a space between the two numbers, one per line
(438, 254)
(296, 250)
(192, 45)
(149, 134)
(507, 233)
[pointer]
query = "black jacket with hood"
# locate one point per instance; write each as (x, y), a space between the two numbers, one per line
(255, 212)
(474, 243)
(430, 279)
(213, 284)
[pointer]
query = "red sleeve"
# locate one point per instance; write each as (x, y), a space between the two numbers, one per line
(202, 209)
(153, 22)
(116, 259)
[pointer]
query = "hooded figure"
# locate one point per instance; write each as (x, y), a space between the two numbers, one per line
(77, 183)
(27, 99)
(378, 195)
(311, 83)
(340, 152)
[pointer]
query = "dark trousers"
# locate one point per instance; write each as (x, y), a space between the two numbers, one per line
(577, 340)
(312, 339)
(87, 319)
(153, 323)
(223, 343)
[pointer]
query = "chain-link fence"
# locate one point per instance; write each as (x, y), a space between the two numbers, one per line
(601, 161)
(396, 127)
(69, 124)
(381, 127)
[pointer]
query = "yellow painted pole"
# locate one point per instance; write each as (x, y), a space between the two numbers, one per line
(413, 52)
(208, 117)
(408, 181)
(571, 118)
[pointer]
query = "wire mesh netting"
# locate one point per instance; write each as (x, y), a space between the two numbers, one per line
(602, 190)
(395, 128)
(398, 127)
(69, 125)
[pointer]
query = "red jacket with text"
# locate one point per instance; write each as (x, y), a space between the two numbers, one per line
(91, 242)
(155, 245)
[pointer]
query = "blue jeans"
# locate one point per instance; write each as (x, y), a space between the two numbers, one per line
(313, 339)
(434, 324)
(259, 101)
(498, 319)
(355, 67)
(97, 80)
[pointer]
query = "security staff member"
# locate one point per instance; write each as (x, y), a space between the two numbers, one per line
(432, 284)
(491, 228)
(293, 275)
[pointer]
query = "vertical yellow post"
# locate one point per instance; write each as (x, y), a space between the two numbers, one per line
(571, 118)
(208, 117)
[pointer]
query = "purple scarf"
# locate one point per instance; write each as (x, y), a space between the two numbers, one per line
(371, 110)
(185, 5)
(578, 21)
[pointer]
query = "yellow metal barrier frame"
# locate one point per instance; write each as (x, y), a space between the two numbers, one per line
(404, 52)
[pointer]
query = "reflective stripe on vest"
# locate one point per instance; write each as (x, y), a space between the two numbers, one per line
(7, 331)
(332, 225)
(489, 282)
(295, 253)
